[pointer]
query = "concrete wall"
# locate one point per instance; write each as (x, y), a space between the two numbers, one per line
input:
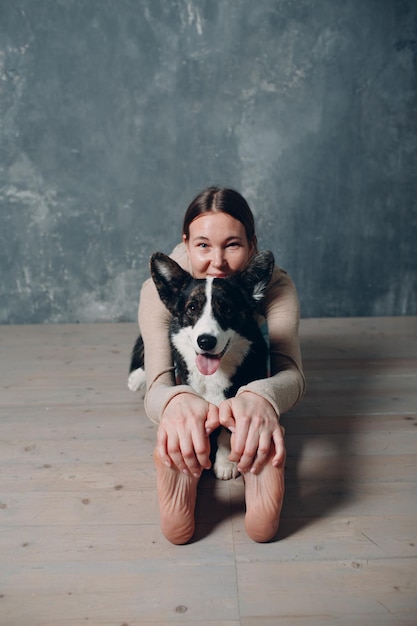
(115, 113)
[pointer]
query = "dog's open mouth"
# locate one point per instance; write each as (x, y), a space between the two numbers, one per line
(208, 364)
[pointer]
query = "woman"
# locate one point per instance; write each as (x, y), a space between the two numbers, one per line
(219, 239)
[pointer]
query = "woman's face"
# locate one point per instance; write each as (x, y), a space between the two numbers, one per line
(217, 245)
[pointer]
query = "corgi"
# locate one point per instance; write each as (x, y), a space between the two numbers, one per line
(216, 342)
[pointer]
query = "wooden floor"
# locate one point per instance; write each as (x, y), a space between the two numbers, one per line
(79, 534)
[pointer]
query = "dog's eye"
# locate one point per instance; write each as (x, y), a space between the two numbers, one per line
(191, 308)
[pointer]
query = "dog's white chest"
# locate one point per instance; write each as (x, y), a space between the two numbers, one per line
(211, 388)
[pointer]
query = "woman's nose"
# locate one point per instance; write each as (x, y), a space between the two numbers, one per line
(218, 258)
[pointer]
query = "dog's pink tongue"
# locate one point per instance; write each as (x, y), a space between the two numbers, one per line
(208, 364)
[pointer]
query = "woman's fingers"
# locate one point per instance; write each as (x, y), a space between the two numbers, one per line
(262, 453)
(189, 451)
(183, 433)
(212, 421)
(177, 449)
(161, 446)
(278, 438)
(226, 415)
(255, 429)
(200, 449)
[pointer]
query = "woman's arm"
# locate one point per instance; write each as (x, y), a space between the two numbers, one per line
(154, 320)
(253, 415)
(286, 385)
(185, 419)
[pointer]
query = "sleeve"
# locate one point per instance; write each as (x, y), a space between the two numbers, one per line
(286, 385)
(154, 320)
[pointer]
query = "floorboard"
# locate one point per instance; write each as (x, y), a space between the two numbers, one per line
(79, 526)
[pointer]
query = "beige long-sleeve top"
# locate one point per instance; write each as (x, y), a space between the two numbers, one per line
(280, 307)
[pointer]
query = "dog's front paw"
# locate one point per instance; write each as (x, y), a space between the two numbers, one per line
(137, 379)
(224, 468)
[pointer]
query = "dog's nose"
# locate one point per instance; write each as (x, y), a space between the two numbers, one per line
(206, 342)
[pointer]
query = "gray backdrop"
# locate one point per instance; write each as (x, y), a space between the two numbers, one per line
(115, 113)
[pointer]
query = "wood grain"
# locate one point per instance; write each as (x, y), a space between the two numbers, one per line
(79, 523)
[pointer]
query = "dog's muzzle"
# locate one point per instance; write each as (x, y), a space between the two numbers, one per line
(208, 363)
(206, 342)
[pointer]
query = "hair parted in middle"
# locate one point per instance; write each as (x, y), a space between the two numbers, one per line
(221, 200)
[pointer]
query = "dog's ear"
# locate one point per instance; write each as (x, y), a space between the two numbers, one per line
(256, 276)
(169, 278)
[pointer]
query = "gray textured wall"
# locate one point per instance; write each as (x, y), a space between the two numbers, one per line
(115, 113)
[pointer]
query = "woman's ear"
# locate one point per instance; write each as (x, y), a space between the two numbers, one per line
(185, 241)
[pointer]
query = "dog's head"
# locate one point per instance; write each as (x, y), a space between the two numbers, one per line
(209, 314)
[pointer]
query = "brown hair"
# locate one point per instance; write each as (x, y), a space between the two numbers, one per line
(221, 200)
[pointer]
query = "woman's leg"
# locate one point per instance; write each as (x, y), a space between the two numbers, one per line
(264, 494)
(177, 495)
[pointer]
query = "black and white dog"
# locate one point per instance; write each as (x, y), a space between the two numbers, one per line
(216, 342)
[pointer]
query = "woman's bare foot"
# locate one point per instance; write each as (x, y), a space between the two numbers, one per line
(177, 493)
(264, 494)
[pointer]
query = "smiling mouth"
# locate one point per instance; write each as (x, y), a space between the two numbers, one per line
(208, 364)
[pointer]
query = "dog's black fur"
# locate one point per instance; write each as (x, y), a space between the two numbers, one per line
(213, 328)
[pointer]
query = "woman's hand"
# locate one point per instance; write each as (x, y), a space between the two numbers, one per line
(254, 425)
(183, 434)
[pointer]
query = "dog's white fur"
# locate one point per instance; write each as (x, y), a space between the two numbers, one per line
(235, 347)
(212, 387)
(230, 345)
(137, 379)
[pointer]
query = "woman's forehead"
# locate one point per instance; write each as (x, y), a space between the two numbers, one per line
(219, 225)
